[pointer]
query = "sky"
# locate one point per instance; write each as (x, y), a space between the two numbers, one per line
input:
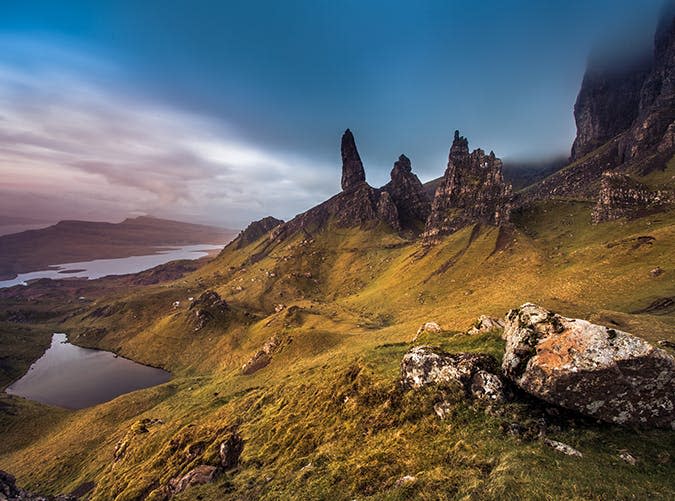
(223, 112)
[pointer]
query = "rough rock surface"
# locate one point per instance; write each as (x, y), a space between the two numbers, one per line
(424, 365)
(407, 192)
(604, 373)
(230, 449)
(473, 190)
(607, 104)
(262, 357)
(202, 474)
(255, 230)
(207, 307)
(486, 324)
(622, 196)
(432, 327)
(353, 173)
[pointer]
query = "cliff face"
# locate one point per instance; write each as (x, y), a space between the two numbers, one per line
(622, 196)
(407, 192)
(472, 190)
(637, 102)
(625, 124)
(608, 104)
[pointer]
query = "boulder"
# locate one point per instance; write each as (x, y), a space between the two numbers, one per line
(202, 474)
(601, 372)
(486, 324)
(431, 327)
(475, 372)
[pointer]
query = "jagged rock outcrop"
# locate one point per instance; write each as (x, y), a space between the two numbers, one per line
(255, 230)
(475, 372)
(407, 192)
(473, 190)
(353, 173)
(601, 372)
(207, 307)
(358, 204)
(622, 196)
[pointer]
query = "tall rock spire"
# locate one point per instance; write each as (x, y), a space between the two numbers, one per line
(472, 191)
(352, 168)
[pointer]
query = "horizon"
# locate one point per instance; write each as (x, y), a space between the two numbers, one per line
(218, 114)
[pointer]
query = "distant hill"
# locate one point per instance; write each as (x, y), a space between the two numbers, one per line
(72, 241)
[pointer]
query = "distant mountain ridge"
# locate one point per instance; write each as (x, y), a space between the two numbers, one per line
(73, 241)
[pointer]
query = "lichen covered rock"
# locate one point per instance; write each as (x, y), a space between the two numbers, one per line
(475, 372)
(485, 323)
(601, 372)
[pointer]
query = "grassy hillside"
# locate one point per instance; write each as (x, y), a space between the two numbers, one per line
(326, 419)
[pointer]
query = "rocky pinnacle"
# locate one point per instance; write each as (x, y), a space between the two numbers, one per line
(352, 168)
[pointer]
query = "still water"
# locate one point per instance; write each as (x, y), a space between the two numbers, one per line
(120, 266)
(73, 377)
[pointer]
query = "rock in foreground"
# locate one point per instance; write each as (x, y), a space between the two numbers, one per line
(424, 365)
(604, 373)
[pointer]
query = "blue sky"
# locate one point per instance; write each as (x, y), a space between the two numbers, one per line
(223, 112)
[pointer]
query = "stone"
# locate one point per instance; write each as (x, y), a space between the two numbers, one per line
(230, 449)
(10, 492)
(488, 387)
(256, 230)
(424, 365)
(406, 480)
(484, 324)
(431, 327)
(263, 357)
(407, 192)
(202, 474)
(656, 272)
(601, 372)
(473, 190)
(353, 173)
(564, 448)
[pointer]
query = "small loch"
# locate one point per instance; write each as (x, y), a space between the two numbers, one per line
(73, 377)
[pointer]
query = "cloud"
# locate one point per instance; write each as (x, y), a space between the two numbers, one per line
(64, 131)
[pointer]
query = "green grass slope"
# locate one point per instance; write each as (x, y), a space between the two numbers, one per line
(326, 419)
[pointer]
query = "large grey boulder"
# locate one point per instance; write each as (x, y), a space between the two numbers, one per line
(601, 372)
